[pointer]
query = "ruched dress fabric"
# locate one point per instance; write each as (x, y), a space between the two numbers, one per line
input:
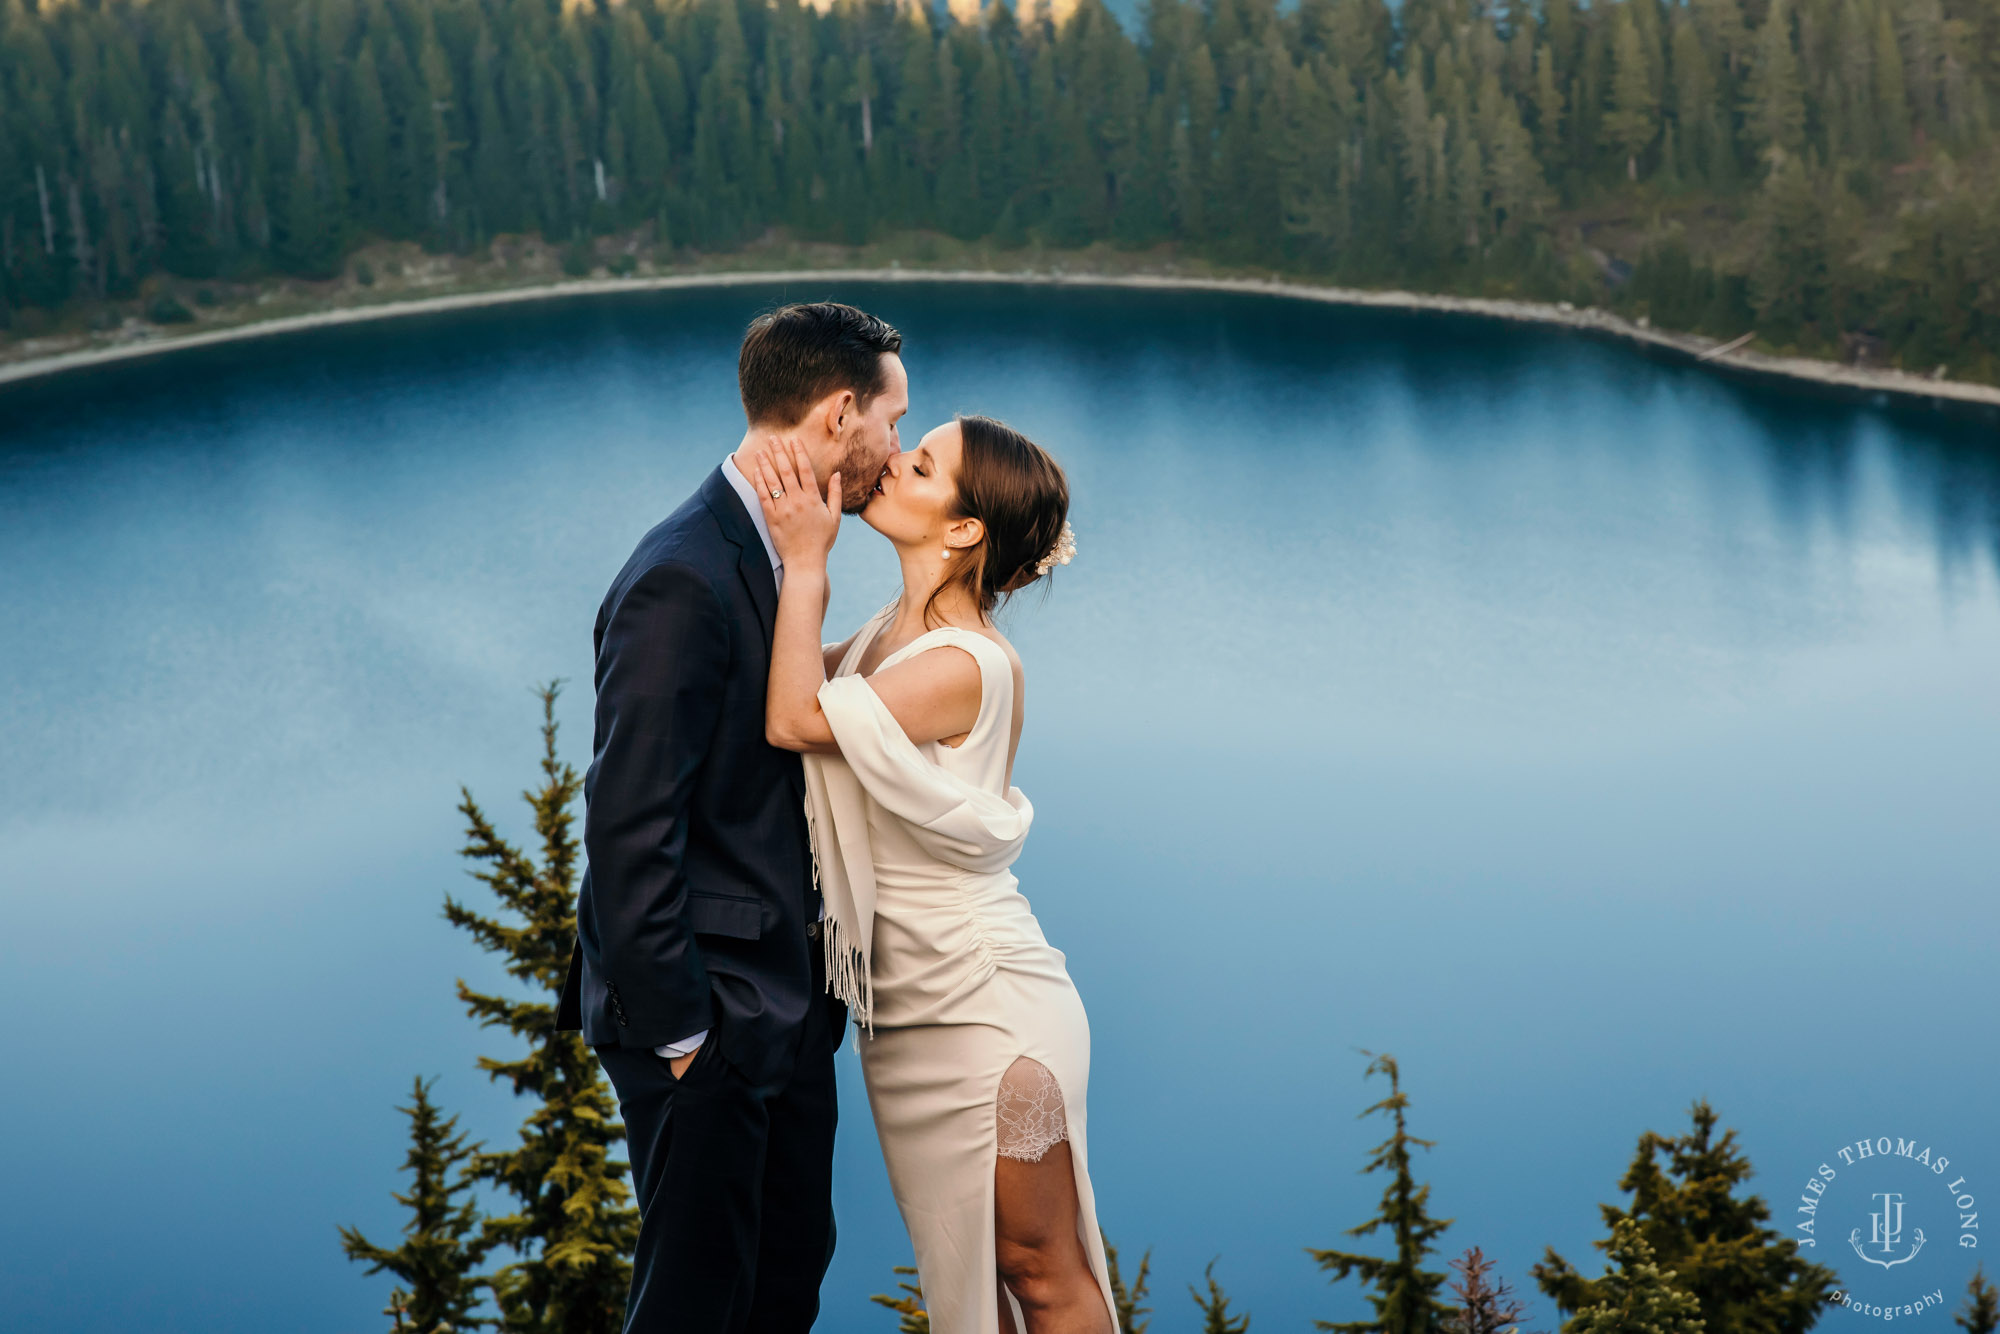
(963, 983)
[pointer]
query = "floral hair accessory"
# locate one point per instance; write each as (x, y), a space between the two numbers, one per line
(1060, 553)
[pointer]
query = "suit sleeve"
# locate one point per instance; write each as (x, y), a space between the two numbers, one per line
(660, 670)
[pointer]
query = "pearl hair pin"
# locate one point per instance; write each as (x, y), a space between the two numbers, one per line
(1060, 553)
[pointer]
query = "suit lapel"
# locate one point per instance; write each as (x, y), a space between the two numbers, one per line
(755, 567)
(753, 563)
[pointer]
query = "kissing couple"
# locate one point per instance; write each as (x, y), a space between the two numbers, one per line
(782, 833)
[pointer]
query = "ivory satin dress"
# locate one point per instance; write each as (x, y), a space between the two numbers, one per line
(973, 1039)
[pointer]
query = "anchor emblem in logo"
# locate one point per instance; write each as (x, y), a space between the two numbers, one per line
(1886, 1231)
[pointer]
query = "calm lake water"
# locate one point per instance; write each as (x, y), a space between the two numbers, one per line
(1593, 734)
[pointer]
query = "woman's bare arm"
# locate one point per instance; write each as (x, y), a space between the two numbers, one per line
(931, 696)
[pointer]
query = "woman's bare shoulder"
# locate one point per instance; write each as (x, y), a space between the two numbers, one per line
(965, 658)
(1013, 657)
(991, 633)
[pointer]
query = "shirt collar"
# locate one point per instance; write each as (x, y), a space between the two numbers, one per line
(734, 476)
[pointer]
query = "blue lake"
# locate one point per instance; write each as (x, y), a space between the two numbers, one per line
(1592, 733)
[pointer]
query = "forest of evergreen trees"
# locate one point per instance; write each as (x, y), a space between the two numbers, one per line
(1821, 170)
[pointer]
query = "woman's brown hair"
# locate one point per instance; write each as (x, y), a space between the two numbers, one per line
(1020, 495)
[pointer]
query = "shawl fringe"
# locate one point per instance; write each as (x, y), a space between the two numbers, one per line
(846, 963)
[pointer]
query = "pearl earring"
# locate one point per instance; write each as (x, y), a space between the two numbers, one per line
(947, 553)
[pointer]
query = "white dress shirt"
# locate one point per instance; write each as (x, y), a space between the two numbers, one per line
(734, 476)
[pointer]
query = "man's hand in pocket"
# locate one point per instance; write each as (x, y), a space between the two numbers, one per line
(679, 1064)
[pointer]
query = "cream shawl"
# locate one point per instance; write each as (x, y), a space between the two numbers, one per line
(957, 821)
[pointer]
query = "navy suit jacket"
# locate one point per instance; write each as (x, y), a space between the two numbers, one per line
(694, 905)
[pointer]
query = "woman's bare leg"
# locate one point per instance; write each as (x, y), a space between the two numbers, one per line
(1036, 1246)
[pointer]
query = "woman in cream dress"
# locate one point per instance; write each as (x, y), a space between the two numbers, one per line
(974, 1042)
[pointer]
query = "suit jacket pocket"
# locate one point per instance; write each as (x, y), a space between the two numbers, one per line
(725, 915)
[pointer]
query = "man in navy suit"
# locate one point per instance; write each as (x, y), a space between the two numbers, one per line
(698, 975)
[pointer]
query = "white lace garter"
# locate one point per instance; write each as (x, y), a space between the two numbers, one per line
(1030, 1112)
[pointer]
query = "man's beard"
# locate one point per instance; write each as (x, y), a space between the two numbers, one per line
(856, 480)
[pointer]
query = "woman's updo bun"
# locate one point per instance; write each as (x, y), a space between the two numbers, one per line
(1020, 495)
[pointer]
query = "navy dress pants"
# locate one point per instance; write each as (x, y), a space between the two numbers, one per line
(734, 1182)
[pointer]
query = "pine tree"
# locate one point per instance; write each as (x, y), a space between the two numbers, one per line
(1193, 166)
(1126, 1300)
(1723, 33)
(986, 144)
(495, 167)
(1694, 103)
(1774, 107)
(1516, 189)
(538, 102)
(910, 1306)
(1405, 1293)
(1636, 1297)
(1548, 103)
(1744, 1277)
(370, 136)
(1214, 1306)
(1311, 168)
(441, 1250)
(1485, 1305)
(1892, 105)
(574, 1225)
(310, 241)
(1788, 271)
(1981, 1312)
(1631, 121)
(440, 132)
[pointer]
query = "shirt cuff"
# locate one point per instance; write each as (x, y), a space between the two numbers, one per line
(683, 1047)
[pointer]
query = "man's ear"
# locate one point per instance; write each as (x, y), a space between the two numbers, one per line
(840, 412)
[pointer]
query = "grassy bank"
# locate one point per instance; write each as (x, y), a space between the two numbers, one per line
(392, 279)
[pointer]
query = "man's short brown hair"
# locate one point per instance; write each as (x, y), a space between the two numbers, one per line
(796, 355)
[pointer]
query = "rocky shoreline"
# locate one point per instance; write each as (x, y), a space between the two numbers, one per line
(1728, 357)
